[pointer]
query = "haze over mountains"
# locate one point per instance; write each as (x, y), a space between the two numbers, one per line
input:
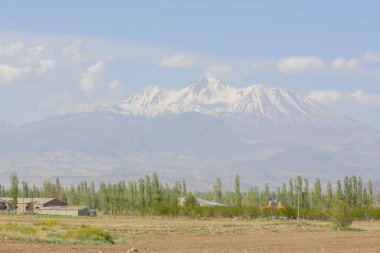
(199, 132)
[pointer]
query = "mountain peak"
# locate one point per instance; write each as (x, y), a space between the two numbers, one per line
(210, 96)
(206, 81)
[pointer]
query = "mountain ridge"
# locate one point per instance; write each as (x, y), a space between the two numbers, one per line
(204, 130)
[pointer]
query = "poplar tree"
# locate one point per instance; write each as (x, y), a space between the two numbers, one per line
(141, 193)
(184, 191)
(291, 193)
(237, 191)
(338, 192)
(266, 195)
(218, 190)
(329, 195)
(148, 192)
(25, 189)
(306, 196)
(317, 193)
(14, 189)
(156, 195)
(370, 193)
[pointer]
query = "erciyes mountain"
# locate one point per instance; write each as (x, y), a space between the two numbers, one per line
(199, 132)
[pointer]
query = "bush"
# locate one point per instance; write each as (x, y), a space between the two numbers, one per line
(341, 215)
(289, 212)
(375, 213)
(49, 222)
(166, 209)
(89, 233)
(251, 212)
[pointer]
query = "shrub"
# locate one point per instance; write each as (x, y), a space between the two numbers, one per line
(289, 212)
(89, 233)
(341, 215)
(49, 222)
(166, 209)
(191, 200)
(375, 213)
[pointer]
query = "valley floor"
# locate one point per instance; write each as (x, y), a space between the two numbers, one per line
(211, 235)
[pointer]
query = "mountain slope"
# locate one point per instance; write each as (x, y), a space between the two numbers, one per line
(202, 131)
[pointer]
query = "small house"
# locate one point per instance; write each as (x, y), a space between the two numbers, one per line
(274, 204)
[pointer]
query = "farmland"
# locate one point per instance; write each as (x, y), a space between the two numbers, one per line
(33, 233)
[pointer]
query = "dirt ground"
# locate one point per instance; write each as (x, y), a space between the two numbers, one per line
(215, 235)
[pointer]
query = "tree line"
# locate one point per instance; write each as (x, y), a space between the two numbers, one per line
(149, 195)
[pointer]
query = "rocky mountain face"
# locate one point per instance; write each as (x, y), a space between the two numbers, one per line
(202, 131)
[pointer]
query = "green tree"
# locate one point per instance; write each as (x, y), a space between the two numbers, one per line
(329, 195)
(339, 193)
(141, 193)
(299, 190)
(291, 193)
(156, 194)
(218, 190)
(184, 191)
(148, 192)
(306, 196)
(14, 189)
(317, 194)
(237, 191)
(265, 195)
(370, 193)
(25, 189)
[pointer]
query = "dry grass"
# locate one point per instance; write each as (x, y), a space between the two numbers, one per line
(194, 234)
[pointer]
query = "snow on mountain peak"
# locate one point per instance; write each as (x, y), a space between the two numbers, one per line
(211, 96)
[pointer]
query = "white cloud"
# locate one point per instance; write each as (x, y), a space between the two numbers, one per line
(298, 64)
(363, 98)
(11, 50)
(96, 68)
(370, 57)
(359, 97)
(326, 96)
(342, 64)
(9, 73)
(45, 65)
(114, 87)
(179, 60)
(88, 78)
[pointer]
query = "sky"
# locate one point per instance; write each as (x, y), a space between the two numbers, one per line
(70, 56)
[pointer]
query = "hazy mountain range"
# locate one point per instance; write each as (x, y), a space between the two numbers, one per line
(199, 132)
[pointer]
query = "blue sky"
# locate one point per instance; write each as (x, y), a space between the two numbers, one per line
(64, 56)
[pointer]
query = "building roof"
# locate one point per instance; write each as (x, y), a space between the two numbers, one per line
(30, 200)
(208, 203)
(5, 200)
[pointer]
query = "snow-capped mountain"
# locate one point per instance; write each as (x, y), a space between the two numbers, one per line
(210, 96)
(204, 130)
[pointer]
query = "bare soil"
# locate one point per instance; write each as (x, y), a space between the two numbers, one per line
(211, 235)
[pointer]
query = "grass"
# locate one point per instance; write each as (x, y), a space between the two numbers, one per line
(85, 233)
(16, 229)
(126, 229)
(49, 231)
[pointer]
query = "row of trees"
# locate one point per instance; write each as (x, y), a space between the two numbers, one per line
(352, 191)
(149, 192)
